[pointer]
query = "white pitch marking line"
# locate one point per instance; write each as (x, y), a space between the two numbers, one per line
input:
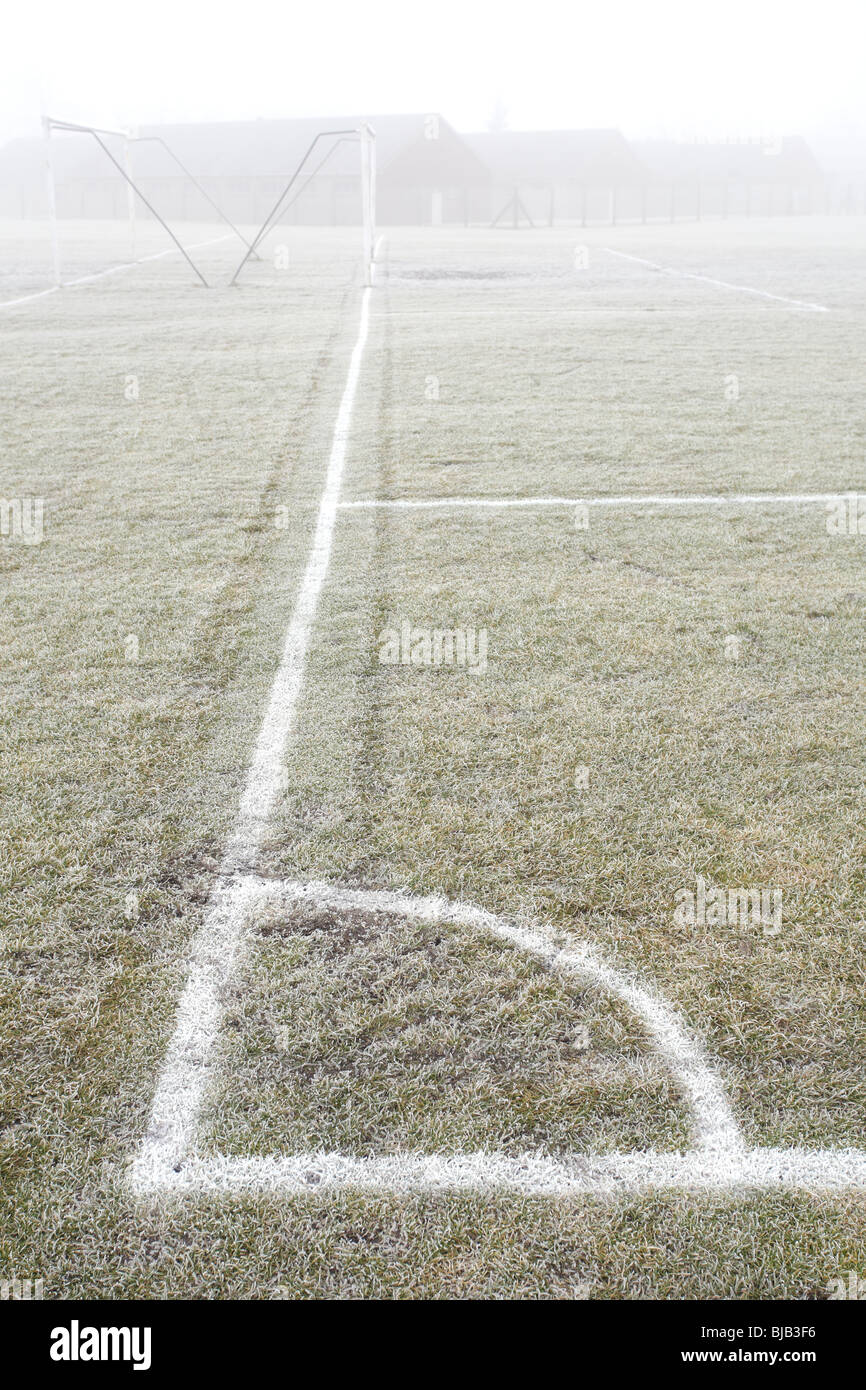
(810, 1170)
(709, 499)
(721, 1163)
(373, 266)
(166, 1158)
(264, 777)
(112, 270)
(167, 1149)
(715, 1126)
(451, 315)
(721, 284)
(25, 299)
(187, 1067)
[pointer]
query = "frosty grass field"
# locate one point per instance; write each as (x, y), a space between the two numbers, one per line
(220, 1082)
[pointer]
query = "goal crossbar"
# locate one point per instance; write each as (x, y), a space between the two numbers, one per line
(84, 129)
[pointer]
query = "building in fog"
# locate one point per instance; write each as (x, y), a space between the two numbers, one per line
(428, 173)
(842, 157)
(425, 170)
(553, 176)
(752, 178)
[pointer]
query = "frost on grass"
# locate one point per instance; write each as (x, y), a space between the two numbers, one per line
(361, 1033)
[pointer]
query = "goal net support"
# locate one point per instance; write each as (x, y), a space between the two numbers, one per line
(49, 124)
(124, 168)
(365, 137)
(191, 178)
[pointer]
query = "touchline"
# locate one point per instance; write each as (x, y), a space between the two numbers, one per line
(76, 1343)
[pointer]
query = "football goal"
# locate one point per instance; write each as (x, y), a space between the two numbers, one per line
(118, 147)
(121, 159)
(304, 175)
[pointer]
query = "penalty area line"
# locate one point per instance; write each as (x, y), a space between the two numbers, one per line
(720, 284)
(661, 500)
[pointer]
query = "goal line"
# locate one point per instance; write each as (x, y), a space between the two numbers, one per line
(732, 499)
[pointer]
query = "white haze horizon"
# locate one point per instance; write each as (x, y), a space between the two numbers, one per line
(747, 70)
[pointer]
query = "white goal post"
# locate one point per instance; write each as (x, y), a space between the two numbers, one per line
(49, 124)
(368, 199)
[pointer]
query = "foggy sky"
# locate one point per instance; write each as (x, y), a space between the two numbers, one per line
(683, 68)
